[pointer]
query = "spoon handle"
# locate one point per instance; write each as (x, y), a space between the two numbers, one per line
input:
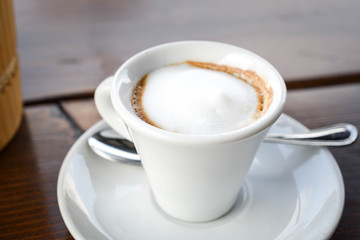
(335, 135)
(112, 146)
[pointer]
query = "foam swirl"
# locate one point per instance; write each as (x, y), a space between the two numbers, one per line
(200, 98)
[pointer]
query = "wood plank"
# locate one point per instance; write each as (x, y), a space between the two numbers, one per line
(83, 112)
(327, 105)
(68, 48)
(29, 167)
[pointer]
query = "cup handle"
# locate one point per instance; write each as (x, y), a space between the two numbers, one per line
(106, 109)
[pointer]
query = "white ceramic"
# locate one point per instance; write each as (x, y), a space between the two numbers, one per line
(194, 178)
(291, 193)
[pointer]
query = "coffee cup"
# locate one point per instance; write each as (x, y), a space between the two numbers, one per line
(193, 177)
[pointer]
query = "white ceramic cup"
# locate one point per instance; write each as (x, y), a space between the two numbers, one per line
(193, 178)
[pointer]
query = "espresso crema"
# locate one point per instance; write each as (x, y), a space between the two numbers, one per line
(201, 98)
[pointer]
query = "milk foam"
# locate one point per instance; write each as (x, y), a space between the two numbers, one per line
(188, 99)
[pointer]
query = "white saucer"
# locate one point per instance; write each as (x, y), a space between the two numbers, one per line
(290, 192)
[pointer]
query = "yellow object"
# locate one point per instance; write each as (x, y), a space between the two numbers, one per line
(10, 87)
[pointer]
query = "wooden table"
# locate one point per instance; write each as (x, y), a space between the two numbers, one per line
(67, 48)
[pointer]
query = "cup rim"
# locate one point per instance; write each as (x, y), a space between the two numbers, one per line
(261, 124)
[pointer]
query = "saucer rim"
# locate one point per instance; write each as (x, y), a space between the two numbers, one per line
(76, 233)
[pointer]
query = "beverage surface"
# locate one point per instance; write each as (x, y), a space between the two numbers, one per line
(200, 98)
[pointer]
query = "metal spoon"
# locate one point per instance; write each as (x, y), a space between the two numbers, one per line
(112, 146)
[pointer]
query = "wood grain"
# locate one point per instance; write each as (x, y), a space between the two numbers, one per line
(10, 86)
(29, 167)
(68, 48)
(316, 107)
(83, 112)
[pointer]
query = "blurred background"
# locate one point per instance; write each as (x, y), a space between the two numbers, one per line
(69, 47)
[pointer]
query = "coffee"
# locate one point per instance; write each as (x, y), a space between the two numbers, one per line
(200, 98)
